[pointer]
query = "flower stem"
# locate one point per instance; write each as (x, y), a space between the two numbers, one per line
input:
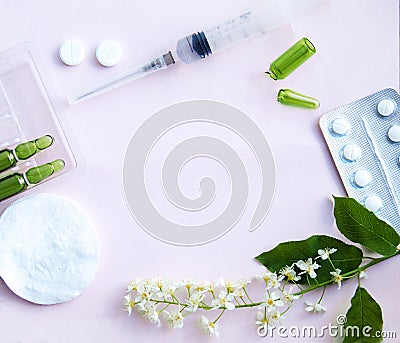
(333, 266)
(220, 315)
(347, 275)
(322, 295)
(245, 292)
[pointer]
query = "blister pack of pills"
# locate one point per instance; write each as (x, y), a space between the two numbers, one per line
(33, 145)
(364, 140)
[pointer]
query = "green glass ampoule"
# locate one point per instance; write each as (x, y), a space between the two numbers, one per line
(16, 183)
(38, 174)
(11, 185)
(9, 158)
(26, 150)
(291, 59)
(292, 98)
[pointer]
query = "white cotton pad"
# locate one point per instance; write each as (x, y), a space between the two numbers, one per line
(49, 252)
(108, 53)
(72, 52)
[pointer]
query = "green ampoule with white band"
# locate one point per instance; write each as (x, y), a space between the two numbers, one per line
(9, 158)
(11, 185)
(16, 183)
(38, 174)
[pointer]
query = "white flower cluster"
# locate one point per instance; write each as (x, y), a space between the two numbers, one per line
(171, 300)
(277, 299)
(152, 299)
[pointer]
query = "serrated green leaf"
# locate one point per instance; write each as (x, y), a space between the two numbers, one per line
(362, 226)
(347, 257)
(364, 319)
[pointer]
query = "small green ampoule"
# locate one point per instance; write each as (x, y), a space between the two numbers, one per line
(38, 174)
(291, 59)
(9, 158)
(26, 150)
(12, 184)
(292, 98)
(16, 183)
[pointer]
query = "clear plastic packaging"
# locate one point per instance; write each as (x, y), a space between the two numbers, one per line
(28, 111)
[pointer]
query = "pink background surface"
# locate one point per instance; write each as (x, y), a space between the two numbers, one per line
(357, 43)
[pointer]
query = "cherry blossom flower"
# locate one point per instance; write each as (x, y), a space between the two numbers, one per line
(317, 307)
(308, 267)
(337, 277)
(325, 253)
(224, 300)
(174, 319)
(208, 328)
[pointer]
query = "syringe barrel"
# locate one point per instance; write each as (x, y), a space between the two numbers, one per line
(199, 45)
(252, 23)
(271, 15)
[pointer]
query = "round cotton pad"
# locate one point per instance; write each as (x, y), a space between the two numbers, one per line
(49, 252)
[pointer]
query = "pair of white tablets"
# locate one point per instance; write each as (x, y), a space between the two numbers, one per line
(72, 53)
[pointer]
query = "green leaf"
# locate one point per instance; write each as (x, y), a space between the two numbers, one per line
(362, 226)
(347, 257)
(363, 317)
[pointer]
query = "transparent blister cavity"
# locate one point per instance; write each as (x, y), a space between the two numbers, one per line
(5, 106)
(10, 130)
(369, 120)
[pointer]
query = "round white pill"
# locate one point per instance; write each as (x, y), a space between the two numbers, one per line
(72, 52)
(341, 126)
(394, 133)
(362, 178)
(108, 53)
(373, 203)
(386, 107)
(351, 152)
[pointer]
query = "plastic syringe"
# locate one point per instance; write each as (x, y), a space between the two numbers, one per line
(194, 47)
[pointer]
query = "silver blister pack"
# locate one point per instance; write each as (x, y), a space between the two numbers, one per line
(364, 140)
